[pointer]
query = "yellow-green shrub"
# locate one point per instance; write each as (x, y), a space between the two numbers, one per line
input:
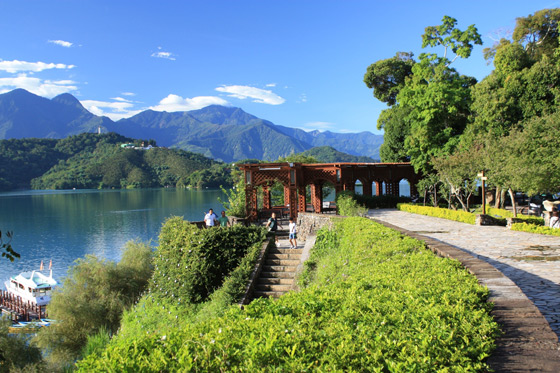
(461, 216)
(531, 228)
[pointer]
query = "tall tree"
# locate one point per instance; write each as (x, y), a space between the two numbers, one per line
(387, 77)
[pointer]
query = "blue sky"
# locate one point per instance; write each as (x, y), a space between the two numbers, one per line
(296, 63)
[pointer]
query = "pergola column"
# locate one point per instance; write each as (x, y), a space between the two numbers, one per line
(317, 197)
(301, 199)
(378, 188)
(251, 202)
(266, 197)
(366, 188)
(292, 201)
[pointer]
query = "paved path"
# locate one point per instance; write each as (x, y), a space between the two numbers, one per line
(508, 251)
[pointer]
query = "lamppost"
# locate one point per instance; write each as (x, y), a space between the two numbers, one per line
(483, 179)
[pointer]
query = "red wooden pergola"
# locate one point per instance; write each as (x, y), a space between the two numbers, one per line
(296, 176)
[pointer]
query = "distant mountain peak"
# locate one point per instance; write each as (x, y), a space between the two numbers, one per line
(68, 99)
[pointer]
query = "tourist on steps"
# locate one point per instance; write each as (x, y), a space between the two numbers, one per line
(293, 234)
(272, 226)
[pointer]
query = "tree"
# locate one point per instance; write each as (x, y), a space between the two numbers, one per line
(7, 251)
(387, 77)
(94, 296)
(538, 33)
(15, 353)
(396, 128)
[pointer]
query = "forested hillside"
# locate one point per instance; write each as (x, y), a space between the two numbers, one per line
(98, 161)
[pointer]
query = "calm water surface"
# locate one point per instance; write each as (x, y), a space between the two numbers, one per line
(67, 225)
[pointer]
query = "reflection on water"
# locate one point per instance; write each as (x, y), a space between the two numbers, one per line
(67, 225)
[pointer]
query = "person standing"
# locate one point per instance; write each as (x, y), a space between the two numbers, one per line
(272, 226)
(210, 219)
(223, 220)
(293, 234)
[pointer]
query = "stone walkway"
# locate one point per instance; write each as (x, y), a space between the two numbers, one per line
(519, 256)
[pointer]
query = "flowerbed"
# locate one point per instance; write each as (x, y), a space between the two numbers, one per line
(375, 301)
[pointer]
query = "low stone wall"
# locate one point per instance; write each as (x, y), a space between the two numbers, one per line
(488, 220)
(308, 223)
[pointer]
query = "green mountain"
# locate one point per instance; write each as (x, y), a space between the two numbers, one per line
(223, 133)
(327, 154)
(90, 160)
(23, 114)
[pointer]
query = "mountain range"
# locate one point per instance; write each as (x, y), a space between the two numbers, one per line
(219, 132)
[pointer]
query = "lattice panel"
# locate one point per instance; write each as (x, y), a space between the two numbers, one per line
(263, 177)
(314, 175)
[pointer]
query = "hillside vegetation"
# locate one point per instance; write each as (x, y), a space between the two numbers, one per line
(372, 300)
(90, 160)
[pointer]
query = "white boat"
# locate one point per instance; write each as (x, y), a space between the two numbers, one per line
(33, 286)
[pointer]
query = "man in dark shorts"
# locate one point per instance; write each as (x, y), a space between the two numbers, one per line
(272, 226)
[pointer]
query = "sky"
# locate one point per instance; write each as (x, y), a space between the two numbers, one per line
(296, 63)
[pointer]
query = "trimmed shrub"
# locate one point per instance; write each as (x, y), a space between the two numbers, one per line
(380, 202)
(535, 220)
(532, 228)
(460, 216)
(191, 263)
(379, 301)
(348, 206)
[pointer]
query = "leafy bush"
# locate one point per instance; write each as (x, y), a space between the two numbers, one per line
(15, 352)
(380, 202)
(532, 228)
(348, 206)
(93, 297)
(191, 263)
(460, 216)
(379, 301)
(535, 220)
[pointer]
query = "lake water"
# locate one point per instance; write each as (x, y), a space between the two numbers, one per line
(67, 225)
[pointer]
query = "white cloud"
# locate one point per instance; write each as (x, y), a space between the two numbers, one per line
(62, 43)
(173, 103)
(120, 99)
(271, 85)
(16, 66)
(128, 94)
(116, 109)
(166, 55)
(302, 98)
(318, 126)
(261, 96)
(45, 88)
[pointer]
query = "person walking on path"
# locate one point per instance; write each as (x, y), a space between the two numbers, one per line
(223, 220)
(293, 234)
(210, 218)
(272, 226)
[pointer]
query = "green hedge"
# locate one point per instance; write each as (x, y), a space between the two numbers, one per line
(380, 202)
(532, 228)
(378, 301)
(461, 216)
(535, 220)
(191, 263)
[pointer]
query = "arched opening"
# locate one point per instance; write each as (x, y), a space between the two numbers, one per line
(358, 187)
(404, 188)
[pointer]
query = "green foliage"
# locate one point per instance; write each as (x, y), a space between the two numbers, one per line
(235, 203)
(7, 251)
(97, 343)
(15, 351)
(90, 161)
(396, 128)
(348, 206)
(191, 263)
(379, 302)
(387, 77)
(535, 220)
(461, 216)
(532, 228)
(328, 154)
(93, 297)
(380, 202)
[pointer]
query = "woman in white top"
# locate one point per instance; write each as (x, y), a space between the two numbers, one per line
(293, 234)
(555, 220)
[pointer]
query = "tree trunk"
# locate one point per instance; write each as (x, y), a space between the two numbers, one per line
(503, 198)
(497, 198)
(513, 204)
(425, 196)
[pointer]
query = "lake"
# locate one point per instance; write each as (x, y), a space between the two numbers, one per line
(67, 225)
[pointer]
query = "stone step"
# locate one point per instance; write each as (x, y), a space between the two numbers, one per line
(281, 262)
(279, 268)
(274, 288)
(267, 294)
(268, 274)
(288, 255)
(287, 250)
(275, 281)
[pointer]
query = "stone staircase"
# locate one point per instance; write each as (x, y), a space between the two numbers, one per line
(279, 270)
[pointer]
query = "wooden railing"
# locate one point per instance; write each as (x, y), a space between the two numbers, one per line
(21, 309)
